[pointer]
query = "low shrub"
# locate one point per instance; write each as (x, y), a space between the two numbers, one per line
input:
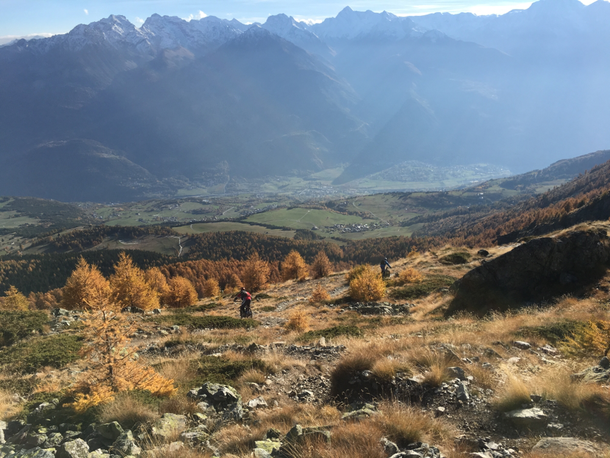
(385, 369)
(223, 370)
(18, 325)
(455, 258)
(429, 285)
(347, 368)
(405, 425)
(23, 386)
(355, 272)
(197, 308)
(409, 275)
(130, 409)
(206, 322)
(368, 286)
(298, 321)
(513, 395)
(331, 333)
(54, 351)
(553, 332)
(574, 337)
(319, 294)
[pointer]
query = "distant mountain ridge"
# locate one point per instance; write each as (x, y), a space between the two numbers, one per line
(176, 98)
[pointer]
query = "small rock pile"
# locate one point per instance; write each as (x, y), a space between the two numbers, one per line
(380, 308)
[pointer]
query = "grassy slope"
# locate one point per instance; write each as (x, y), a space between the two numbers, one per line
(412, 344)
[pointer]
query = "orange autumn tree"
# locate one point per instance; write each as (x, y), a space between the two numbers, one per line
(86, 285)
(321, 266)
(157, 281)
(294, 267)
(180, 293)
(211, 288)
(111, 361)
(14, 300)
(256, 273)
(129, 286)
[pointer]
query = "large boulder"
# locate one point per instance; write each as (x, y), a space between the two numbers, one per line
(169, 425)
(536, 271)
(125, 445)
(73, 449)
(110, 431)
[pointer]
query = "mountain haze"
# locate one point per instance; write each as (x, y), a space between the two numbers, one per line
(173, 99)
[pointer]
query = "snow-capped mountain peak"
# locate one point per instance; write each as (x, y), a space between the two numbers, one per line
(350, 24)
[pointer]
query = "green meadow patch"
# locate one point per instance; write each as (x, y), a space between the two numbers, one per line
(206, 322)
(429, 285)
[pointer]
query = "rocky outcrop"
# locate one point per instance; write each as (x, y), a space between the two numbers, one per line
(595, 374)
(534, 272)
(218, 399)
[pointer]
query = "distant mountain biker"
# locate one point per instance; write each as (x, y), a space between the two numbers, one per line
(244, 308)
(384, 265)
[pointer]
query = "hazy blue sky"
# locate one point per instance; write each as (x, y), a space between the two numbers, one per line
(31, 17)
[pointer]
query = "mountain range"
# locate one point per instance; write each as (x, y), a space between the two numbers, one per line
(110, 111)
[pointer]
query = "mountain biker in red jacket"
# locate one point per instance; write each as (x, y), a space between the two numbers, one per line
(246, 298)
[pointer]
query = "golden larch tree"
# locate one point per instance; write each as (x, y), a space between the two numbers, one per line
(181, 293)
(211, 288)
(14, 300)
(156, 280)
(294, 267)
(256, 273)
(321, 266)
(112, 364)
(233, 284)
(86, 285)
(368, 286)
(319, 294)
(129, 286)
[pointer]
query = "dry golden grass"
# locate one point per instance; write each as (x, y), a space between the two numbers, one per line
(404, 425)
(557, 384)
(285, 417)
(128, 411)
(184, 452)
(485, 378)
(298, 321)
(355, 362)
(239, 439)
(277, 361)
(252, 376)
(9, 407)
(355, 440)
(179, 405)
(513, 394)
(179, 370)
(385, 369)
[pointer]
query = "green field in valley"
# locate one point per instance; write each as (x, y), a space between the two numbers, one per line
(305, 218)
(202, 228)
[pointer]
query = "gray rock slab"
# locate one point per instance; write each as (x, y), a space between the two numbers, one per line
(73, 449)
(562, 446)
(527, 418)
